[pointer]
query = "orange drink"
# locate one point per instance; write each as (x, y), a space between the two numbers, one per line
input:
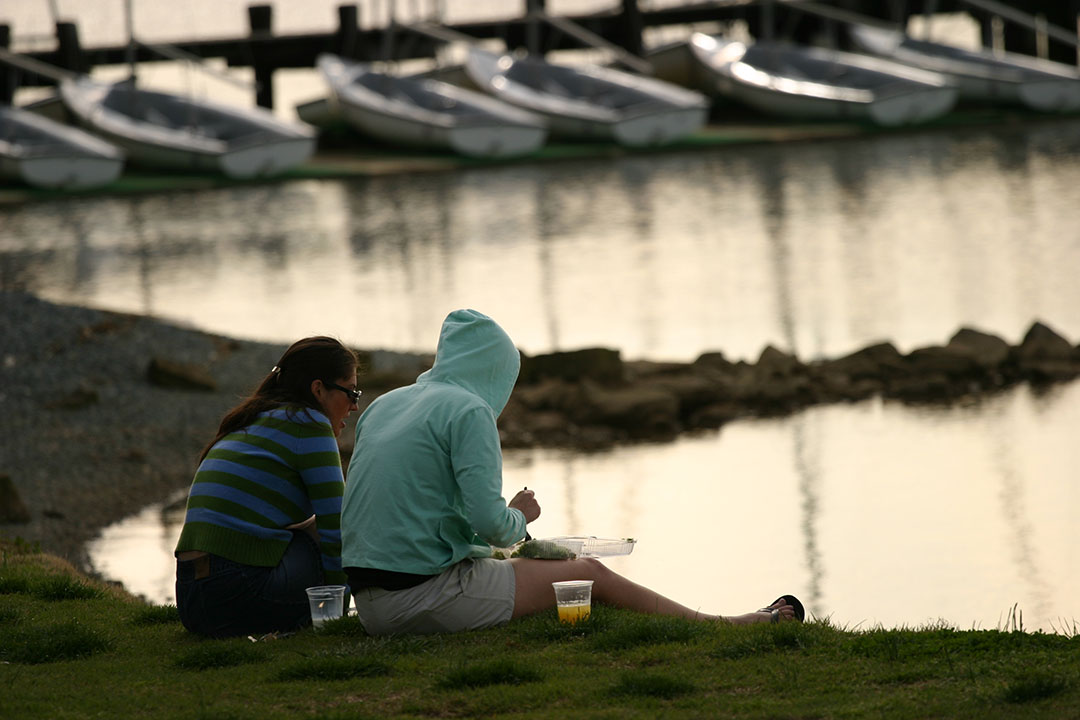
(574, 599)
(572, 613)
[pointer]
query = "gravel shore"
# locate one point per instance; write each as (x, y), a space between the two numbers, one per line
(87, 438)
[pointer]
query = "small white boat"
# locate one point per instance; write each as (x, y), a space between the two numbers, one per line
(816, 83)
(980, 75)
(44, 153)
(165, 131)
(588, 102)
(425, 112)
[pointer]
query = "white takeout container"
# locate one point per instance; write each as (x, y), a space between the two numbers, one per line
(593, 546)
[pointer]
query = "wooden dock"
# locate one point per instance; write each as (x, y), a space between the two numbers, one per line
(623, 27)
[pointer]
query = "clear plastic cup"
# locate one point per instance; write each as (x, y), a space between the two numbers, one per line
(327, 603)
(573, 599)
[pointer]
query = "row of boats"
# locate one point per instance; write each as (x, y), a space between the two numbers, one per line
(502, 105)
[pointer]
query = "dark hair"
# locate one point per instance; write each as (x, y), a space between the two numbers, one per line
(289, 382)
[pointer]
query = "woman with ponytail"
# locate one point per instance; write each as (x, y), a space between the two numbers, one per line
(264, 509)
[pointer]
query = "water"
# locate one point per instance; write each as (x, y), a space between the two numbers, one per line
(818, 249)
(872, 513)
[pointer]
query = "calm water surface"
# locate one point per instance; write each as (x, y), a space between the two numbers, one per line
(873, 513)
(818, 249)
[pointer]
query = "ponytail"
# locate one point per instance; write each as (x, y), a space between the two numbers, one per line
(289, 382)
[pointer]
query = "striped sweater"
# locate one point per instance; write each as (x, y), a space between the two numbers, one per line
(276, 472)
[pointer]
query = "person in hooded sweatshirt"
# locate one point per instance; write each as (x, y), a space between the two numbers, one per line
(423, 505)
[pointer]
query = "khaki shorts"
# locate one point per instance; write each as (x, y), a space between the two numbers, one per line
(471, 595)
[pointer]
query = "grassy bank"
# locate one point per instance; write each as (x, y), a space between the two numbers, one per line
(72, 647)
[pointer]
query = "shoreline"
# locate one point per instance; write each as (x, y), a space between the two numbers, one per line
(105, 413)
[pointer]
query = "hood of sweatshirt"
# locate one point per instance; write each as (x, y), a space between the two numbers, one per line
(476, 354)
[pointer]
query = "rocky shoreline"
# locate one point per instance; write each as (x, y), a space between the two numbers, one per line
(105, 413)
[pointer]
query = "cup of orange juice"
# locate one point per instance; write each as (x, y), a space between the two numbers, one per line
(573, 599)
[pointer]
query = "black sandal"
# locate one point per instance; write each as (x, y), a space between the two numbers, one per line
(800, 612)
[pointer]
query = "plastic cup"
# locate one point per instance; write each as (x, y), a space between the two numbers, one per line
(327, 603)
(574, 599)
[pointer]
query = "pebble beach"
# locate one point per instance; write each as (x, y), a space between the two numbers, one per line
(87, 438)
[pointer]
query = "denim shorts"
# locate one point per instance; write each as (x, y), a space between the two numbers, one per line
(471, 595)
(221, 598)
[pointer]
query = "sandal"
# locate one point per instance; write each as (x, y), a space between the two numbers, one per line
(800, 612)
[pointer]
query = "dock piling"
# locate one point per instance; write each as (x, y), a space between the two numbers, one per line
(345, 42)
(69, 54)
(8, 79)
(633, 28)
(534, 31)
(260, 21)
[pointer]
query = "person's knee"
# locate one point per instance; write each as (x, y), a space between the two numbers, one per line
(594, 569)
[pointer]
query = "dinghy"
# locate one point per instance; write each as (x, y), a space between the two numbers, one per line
(588, 102)
(426, 112)
(816, 83)
(43, 153)
(164, 131)
(981, 75)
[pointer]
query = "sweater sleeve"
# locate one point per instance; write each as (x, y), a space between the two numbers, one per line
(476, 456)
(319, 464)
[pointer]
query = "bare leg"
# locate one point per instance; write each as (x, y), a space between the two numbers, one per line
(533, 591)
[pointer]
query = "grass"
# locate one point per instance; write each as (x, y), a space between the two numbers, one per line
(71, 647)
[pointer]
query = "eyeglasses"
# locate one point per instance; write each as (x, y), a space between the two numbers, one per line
(354, 395)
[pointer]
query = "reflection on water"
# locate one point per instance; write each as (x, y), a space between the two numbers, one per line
(873, 513)
(818, 248)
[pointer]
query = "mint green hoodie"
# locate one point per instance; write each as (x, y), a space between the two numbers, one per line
(424, 487)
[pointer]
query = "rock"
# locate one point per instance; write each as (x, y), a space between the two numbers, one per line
(74, 400)
(376, 382)
(714, 361)
(641, 412)
(600, 365)
(1045, 356)
(545, 395)
(1042, 343)
(877, 362)
(179, 376)
(839, 386)
(932, 387)
(691, 391)
(645, 370)
(713, 416)
(776, 363)
(778, 382)
(12, 509)
(951, 362)
(989, 351)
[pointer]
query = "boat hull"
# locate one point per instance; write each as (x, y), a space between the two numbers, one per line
(63, 173)
(427, 113)
(659, 128)
(240, 143)
(478, 141)
(41, 152)
(981, 76)
(592, 103)
(817, 84)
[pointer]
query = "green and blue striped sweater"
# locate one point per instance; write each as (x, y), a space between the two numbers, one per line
(278, 471)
